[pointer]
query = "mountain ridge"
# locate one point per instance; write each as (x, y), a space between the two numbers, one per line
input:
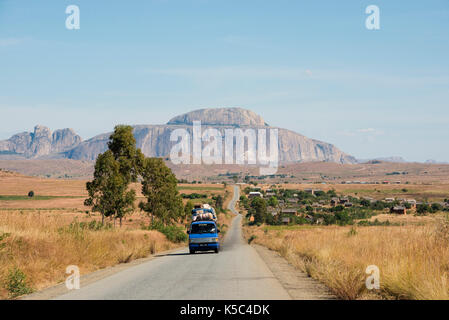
(154, 140)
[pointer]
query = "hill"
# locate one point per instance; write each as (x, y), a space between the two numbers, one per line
(154, 140)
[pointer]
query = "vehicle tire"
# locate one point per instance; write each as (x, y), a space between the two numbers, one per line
(192, 251)
(216, 250)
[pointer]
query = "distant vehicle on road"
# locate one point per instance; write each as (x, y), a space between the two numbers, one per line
(203, 236)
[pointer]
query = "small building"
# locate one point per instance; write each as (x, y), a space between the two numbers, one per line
(270, 194)
(398, 210)
(292, 200)
(285, 220)
(411, 202)
(255, 194)
(389, 200)
(309, 218)
(289, 211)
(334, 201)
(309, 191)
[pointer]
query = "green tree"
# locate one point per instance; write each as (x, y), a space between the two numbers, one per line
(115, 169)
(219, 203)
(436, 207)
(423, 208)
(159, 186)
(188, 208)
(365, 203)
(122, 144)
(108, 191)
(273, 201)
(260, 209)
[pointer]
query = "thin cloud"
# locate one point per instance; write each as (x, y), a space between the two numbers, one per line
(7, 42)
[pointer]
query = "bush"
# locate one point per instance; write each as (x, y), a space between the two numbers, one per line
(31, 194)
(194, 196)
(422, 209)
(172, 232)
(78, 229)
(16, 283)
(251, 239)
(436, 207)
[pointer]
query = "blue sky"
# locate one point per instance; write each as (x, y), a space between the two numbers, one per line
(309, 66)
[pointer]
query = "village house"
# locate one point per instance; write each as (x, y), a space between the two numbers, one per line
(398, 210)
(389, 200)
(309, 218)
(270, 194)
(334, 201)
(411, 202)
(285, 220)
(292, 200)
(309, 191)
(289, 211)
(254, 194)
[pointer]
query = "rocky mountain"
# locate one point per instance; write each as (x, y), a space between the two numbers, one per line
(40, 143)
(154, 140)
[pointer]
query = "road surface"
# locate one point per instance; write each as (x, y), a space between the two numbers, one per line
(237, 272)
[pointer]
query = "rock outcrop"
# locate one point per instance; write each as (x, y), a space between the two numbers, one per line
(236, 117)
(154, 140)
(42, 142)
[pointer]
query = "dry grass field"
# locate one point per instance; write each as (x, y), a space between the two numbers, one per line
(413, 259)
(41, 244)
(412, 252)
(310, 172)
(41, 236)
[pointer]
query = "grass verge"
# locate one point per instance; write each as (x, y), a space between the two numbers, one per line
(413, 260)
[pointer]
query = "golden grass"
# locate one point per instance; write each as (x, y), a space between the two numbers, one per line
(41, 245)
(413, 260)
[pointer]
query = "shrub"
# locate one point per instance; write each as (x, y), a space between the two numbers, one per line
(352, 232)
(31, 194)
(172, 232)
(251, 239)
(436, 207)
(16, 283)
(3, 236)
(78, 228)
(422, 209)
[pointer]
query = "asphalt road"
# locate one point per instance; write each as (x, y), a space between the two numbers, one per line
(237, 272)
